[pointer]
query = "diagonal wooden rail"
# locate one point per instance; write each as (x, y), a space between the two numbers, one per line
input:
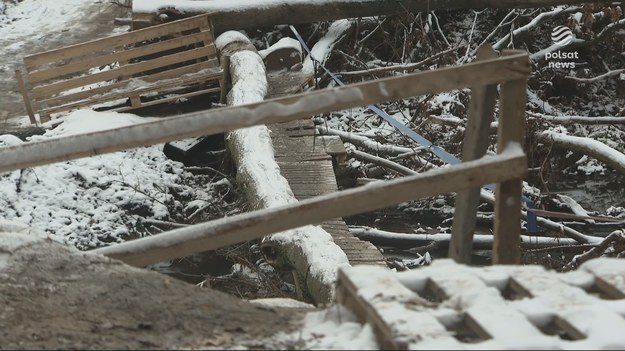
(508, 168)
(270, 111)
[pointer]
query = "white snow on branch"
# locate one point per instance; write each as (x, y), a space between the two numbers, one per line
(281, 44)
(533, 23)
(323, 48)
(608, 74)
(591, 147)
(579, 119)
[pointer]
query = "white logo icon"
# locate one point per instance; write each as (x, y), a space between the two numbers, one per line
(562, 35)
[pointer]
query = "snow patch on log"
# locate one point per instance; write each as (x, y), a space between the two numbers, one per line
(228, 37)
(593, 148)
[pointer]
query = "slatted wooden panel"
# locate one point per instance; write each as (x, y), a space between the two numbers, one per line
(305, 160)
(498, 307)
(64, 79)
(306, 164)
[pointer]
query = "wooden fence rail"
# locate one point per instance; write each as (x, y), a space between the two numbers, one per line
(507, 169)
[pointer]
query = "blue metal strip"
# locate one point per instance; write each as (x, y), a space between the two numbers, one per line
(531, 224)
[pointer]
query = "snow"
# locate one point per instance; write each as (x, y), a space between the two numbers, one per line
(85, 202)
(282, 302)
(153, 6)
(38, 18)
(284, 43)
(335, 328)
(230, 37)
(322, 49)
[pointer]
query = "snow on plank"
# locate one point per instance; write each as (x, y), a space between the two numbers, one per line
(486, 312)
(609, 275)
(398, 315)
(508, 307)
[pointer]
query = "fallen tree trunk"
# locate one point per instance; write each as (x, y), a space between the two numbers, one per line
(264, 187)
(480, 241)
(593, 148)
(243, 14)
(579, 119)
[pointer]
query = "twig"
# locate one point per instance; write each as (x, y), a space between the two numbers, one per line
(400, 67)
(162, 223)
(489, 36)
(361, 41)
(466, 55)
(599, 77)
(596, 251)
(579, 119)
(534, 22)
(439, 29)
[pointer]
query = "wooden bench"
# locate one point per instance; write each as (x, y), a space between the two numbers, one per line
(123, 72)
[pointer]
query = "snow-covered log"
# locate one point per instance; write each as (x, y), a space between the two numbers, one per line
(366, 143)
(309, 250)
(593, 148)
(579, 119)
(245, 14)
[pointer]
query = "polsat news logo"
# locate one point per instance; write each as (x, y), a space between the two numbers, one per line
(561, 36)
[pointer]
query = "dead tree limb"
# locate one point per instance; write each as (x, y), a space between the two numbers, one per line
(364, 142)
(566, 120)
(606, 75)
(617, 236)
(480, 241)
(244, 14)
(593, 148)
(363, 156)
(489, 198)
(409, 67)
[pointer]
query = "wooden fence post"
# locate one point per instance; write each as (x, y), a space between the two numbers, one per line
(224, 81)
(507, 224)
(22, 87)
(481, 109)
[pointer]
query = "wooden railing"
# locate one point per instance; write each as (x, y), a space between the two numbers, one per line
(506, 169)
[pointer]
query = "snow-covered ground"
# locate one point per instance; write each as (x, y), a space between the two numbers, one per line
(93, 201)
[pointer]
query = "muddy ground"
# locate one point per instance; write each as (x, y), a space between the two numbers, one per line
(54, 297)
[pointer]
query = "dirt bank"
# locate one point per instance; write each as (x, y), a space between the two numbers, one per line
(54, 297)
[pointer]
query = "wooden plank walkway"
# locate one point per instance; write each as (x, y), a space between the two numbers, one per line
(453, 306)
(305, 162)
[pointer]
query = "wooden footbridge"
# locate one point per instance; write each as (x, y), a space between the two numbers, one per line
(307, 161)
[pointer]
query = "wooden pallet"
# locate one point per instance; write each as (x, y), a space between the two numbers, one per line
(145, 67)
(453, 306)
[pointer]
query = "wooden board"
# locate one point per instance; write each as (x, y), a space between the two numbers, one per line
(492, 302)
(151, 61)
